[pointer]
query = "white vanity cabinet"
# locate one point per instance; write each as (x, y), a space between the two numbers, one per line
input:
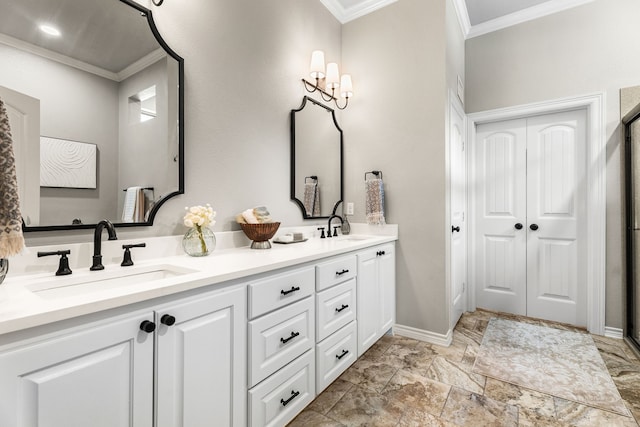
(281, 338)
(201, 360)
(376, 292)
(336, 308)
(102, 374)
(99, 375)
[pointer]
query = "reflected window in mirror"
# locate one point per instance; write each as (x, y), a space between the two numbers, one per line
(108, 79)
(316, 159)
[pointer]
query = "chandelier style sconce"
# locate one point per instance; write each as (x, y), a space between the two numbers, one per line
(331, 79)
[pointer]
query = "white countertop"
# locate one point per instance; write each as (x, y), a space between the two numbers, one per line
(20, 308)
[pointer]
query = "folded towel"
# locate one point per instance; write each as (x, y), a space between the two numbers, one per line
(11, 239)
(375, 201)
(133, 209)
(249, 217)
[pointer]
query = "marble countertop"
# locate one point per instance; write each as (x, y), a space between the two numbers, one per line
(21, 307)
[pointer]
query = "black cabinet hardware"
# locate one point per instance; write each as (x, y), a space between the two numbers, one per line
(292, 336)
(294, 394)
(518, 226)
(534, 227)
(293, 289)
(455, 229)
(340, 273)
(147, 326)
(380, 253)
(344, 306)
(344, 353)
(168, 320)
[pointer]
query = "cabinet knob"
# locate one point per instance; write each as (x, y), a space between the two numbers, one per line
(168, 320)
(534, 227)
(147, 326)
(518, 226)
(455, 229)
(380, 253)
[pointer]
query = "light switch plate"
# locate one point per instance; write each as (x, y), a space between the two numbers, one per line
(350, 208)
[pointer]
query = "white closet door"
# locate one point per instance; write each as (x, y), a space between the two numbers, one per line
(500, 191)
(556, 229)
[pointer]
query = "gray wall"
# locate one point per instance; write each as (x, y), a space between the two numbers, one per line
(590, 48)
(68, 112)
(396, 123)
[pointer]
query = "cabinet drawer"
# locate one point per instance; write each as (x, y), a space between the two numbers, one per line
(335, 307)
(277, 291)
(279, 337)
(279, 398)
(331, 273)
(335, 354)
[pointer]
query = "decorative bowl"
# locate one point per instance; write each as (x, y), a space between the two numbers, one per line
(260, 234)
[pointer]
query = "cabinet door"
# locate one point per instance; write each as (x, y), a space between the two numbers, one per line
(387, 286)
(99, 376)
(201, 361)
(368, 297)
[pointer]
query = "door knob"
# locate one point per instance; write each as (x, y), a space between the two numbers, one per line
(168, 320)
(147, 326)
(518, 226)
(534, 227)
(454, 229)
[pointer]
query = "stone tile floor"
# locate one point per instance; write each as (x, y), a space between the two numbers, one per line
(403, 382)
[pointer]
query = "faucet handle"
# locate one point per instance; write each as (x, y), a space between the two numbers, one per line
(126, 259)
(322, 236)
(63, 265)
(335, 230)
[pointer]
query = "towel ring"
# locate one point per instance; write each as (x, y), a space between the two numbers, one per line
(378, 174)
(312, 177)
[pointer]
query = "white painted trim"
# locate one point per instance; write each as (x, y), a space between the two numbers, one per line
(54, 56)
(463, 16)
(349, 14)
(528, 14)
(596, 192)
(426, 336)
(141, 64)
(615, 333)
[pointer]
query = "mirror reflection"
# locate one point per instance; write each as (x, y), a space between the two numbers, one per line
(316, 167)
(90, 73)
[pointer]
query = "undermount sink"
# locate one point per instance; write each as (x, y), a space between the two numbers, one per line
(353, 238)
(87, 282)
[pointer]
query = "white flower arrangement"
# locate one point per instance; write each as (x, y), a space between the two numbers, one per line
(199, 216)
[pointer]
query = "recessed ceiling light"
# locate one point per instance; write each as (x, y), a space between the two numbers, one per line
(50, 30)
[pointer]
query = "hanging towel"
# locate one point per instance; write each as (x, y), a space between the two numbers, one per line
(133, 210)
(375, 201)
(11, 239)
(312, 198)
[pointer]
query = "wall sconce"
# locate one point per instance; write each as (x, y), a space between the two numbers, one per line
(331, 79)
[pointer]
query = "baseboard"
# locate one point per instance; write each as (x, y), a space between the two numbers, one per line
(610, 332)
(426, 336)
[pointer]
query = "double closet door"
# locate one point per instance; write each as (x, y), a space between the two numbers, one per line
(530, 220)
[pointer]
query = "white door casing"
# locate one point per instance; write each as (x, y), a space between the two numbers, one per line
(457, 210)
(595, 179)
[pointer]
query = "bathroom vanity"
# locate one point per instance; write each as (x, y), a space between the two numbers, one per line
(242, 337)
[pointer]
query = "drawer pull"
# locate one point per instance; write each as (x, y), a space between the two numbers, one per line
(293, 289)
(380, 253)
(340, 273)
(294, 394)
(292, 336)
(338, 310)
(344, 353)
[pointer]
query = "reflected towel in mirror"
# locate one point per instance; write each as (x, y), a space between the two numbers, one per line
(11, 239)
(312, 198)
(133, 210)
(375, 201)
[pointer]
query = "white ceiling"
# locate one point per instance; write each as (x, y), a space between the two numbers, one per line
(476, 17)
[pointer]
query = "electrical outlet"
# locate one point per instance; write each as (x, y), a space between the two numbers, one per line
(350, 208)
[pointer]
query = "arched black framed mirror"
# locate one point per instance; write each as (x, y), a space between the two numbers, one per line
(109, 95)
(316, 159)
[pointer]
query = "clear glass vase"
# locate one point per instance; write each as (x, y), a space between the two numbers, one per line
(199, 241)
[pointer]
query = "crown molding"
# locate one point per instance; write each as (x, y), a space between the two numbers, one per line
(463, 16)
(521, 16)
(141, 64)
(345, 15)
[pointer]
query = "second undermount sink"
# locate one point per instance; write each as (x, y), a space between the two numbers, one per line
(89, 282)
